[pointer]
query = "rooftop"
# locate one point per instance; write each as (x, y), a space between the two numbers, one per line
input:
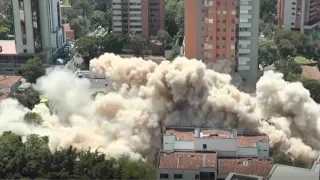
(244, 140)
(8, 47)
(257, 167)
(310, 72)
(188, 134)
(234, 176)
(187, 160)
(282, 172)
(251, 140)
(9, 81)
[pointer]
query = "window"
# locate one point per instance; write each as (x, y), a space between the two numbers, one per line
(204, 146)
(207, 175)
(25, 50)
(164, 176)
(177, 176)
(197, 176)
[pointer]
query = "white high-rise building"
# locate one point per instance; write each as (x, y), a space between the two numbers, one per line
(38, 27)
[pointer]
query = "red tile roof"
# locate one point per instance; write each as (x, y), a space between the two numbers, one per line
(9, 81)
(187, 160)
(258, 167)
(250, 141)
(216, 134)
(8, 47)
(181, 134)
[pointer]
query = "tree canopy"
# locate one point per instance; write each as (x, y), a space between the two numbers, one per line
(268, 10)
(174, 17)
(28, 98)
(88, 47)
(32, 70)
(268, 53)
(33, 159)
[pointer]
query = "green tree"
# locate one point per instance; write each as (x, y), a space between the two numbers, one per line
(98, 19)
(174, 53)
(267, 29)
(33, 118)
(164, 37)
(289, 69)
(32, 97)
(174, 18)
(11, 152)
(84, 7)
(78, 25)
(280, 157)
(88, 47)
(37, 156)
(268, 53)
(112, 44)
(298, 43)
(137, 45)
(32, 70)
(34, 160)
(268, 10)
(313, 86)
(4, 27)
(286, 49)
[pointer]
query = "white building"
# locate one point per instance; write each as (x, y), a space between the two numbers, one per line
(212, 154)
(38, 27)
(227, 144)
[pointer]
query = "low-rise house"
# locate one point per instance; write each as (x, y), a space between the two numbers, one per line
(8, 85)
(195, 153)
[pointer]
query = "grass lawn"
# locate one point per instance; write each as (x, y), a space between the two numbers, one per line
(303, 60)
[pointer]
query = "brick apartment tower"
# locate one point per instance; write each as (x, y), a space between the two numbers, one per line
(224, 29)
(143, 17)
(300, 15)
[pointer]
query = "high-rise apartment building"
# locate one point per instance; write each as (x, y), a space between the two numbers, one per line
(38, 27)
(300, 15)
(143, 17)
(224, 30)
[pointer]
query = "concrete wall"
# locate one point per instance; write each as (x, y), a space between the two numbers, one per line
(245, 152)
(263, 149)
(215, 144)
(187, 174)
(184, 145)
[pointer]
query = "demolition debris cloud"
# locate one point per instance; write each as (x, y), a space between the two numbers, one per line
(149, 96)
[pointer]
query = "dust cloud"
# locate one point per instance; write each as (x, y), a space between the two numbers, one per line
(147, 97)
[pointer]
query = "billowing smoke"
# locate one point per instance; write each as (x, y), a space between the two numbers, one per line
(147, 97)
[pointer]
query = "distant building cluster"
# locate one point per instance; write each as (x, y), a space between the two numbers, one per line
(214, 154)
(227, 30)
(299, 15)
(38, 32)
(144, 17)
